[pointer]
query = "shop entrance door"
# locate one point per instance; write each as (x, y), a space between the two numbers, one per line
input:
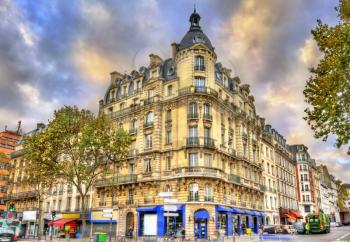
(201, 229)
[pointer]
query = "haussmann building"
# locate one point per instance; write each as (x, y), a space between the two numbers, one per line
(195, 133)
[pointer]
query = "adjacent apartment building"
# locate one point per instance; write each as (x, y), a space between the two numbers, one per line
(196, 134)
(281, 166)
(8, 140)
(308, 180)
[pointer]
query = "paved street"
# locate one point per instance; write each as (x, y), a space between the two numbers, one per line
(337, 234)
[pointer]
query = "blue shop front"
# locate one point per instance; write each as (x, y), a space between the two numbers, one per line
(150, 216)
(237, 220)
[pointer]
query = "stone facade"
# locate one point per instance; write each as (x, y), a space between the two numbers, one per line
(195, 133)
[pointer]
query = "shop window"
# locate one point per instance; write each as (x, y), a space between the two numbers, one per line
(222, 221)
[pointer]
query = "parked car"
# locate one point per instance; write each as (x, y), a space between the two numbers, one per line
(335, 224)
(299, 227)
(7, 235)
(272, 229)
(290, 229)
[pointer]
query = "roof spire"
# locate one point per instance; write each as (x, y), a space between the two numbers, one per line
(194, 19)
(194, 9)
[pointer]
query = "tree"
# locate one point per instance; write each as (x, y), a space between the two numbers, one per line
(38, 156)
(328, 89)
(83, 143)
(343, 194)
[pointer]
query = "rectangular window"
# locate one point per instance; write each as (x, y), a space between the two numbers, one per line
(199, 82)
(69, 201)
(206, 132)
(168, 137)
(193, 131)
(148, 165)
(170, 90)
(245, 152)
(150, 93)
(77, 203)
(254, 155)
(199, 63)
(207, 160)
(130, 196)
(168, 163)
(131, 168)
(193, 158)
(148, 141)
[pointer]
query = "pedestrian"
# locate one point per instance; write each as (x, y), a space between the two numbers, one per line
(131, 231)
(183, 234)
(307, 227)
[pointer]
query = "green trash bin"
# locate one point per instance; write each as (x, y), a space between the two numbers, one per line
(101, 237)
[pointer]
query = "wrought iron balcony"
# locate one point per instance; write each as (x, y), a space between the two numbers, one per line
(117, 180)
(130, 201)
(148, 125)
(132, 130)
(101, 204)
(199, 171)
(192, 141)
(207, 116)
(234, 179)
(208, 198)
(200, 90)
(22, 195)
(133, 153)
(208, 142)
(199, 68)
(192, 115)
(125, 111)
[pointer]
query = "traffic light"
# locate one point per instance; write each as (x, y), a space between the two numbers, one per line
(53, 214)
(12, 207)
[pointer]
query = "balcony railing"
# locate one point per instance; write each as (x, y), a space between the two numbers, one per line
(125, 111)
(130, 201)
(208, 198)
(199, 171)
(133, 152)
(148, 125)
(193, 197)
(234, 179)
(102, 204)
(199, 68)
(201, 90)
(117, 180)
(22, 195)
(207, 116)
(208, 142)
(192, 115)
(200, 141)
(132, 130)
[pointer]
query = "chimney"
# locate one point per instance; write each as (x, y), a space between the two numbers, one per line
(173, 50)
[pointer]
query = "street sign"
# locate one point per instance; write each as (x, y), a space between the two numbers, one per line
(170, 208)
(108, 210)
(107, 215)
(170, 200)
(165, 194)
(171, 214)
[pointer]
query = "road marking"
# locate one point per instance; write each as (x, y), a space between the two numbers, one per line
(342, 237)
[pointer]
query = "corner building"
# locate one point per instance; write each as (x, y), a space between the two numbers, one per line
(196, 134)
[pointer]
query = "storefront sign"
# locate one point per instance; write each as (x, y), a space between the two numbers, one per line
(170, 208)
(29, 216)
(165, 194)
(70, 215)
(99, 215)
(107, 210)
(171, 214)
(107, 215)
(170, 200)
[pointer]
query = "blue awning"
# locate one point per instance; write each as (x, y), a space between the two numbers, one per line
(147, 209)
(223, 209)
(201, 214)
(261, 214)
(237, 210)
(248, 212)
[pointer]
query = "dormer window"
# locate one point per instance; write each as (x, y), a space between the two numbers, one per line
(199, 63)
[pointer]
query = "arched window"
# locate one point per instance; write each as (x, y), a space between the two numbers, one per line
(193, 192)
(193, 110)
(167, 188)
(149, 118)
(199, 63)
(208, 193)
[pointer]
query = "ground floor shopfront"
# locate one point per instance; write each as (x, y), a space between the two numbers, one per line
(198, 220)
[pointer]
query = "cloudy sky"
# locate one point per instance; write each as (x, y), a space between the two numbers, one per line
(61, 52)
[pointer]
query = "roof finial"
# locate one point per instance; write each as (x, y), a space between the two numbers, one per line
(194, 9)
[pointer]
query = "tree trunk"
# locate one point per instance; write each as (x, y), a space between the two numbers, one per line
(40, 220)
(83, 229)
